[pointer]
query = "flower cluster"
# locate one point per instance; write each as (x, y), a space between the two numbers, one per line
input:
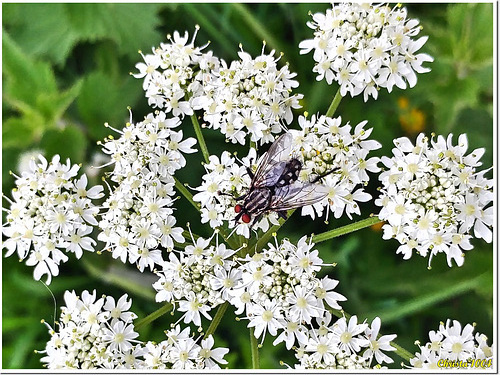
(280, 293)
(51, 211)
(251, 97)
(432, 197)
(365, 47)
(340, 154)
(174, 72)
(139, 216)
(323, 147)
(99, 333)
(449, 344)
(197, 279)
(345, 344)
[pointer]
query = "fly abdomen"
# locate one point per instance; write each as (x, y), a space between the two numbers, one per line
(290, 173)
(258, 200)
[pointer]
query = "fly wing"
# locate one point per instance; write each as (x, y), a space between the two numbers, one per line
(298, 194)
(273, 162)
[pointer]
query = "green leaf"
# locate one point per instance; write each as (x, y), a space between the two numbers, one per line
(103, 99)
(25, 78)
(48, 20)
(62, 26)
(69, 142)
(17, 133)
(128, 25)
(31, 89)
(471, 34)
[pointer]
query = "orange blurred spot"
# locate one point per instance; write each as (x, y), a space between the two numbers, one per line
(413, 121)
(377, 227)
(403, 102)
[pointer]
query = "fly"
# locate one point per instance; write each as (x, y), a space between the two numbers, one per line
(275, 186)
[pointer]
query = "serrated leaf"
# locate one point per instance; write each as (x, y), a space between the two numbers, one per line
(129, 25)
(69, 142)
(62, 26)
(44, 30)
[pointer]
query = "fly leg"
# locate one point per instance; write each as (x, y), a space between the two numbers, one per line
(282, 214)
(317, 178)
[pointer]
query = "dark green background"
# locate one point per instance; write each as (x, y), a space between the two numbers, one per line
(66, 72)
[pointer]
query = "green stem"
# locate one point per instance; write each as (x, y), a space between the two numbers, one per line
(335, 103)
(257, 27)
(346, 229)
(254, 349)
(217, 319)
(201, 139)
(153, 316)
(118, 276)
(186, 193)
(402, 352)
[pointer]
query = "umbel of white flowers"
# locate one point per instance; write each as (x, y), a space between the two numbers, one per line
(432, 197)
(99, 333)
(366, 47)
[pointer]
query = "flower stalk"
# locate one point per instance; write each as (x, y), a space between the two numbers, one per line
(334, 104)
(199, 136)
(254, 347)
(346, 229)
(153, 316)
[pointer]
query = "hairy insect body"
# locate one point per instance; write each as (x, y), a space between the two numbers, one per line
(275, 186)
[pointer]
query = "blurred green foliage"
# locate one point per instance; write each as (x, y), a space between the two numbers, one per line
(66, 72)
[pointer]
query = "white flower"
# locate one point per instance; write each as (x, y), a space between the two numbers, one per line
(346, 334)
(119, 336)
(451, 343)
(432, 197)
(171, 72)
(366, 47)
(279, 288)
(248, 97)
(212, 357)
(95, 333)
(51, 210)
(118, 310)
(377, 344)
(193, 308)
(265, 318)
(198, 278)
(139, 216)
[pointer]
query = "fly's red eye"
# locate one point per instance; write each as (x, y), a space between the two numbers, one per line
(237, 208)
(245, 218)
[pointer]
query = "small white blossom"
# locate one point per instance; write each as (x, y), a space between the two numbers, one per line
(96, 333)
